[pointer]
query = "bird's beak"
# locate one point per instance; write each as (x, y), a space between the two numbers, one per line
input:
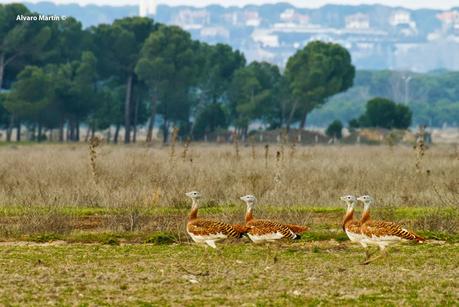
(360, 199)
(342, 198)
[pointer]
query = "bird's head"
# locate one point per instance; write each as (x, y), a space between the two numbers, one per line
(249, 200)
(349, 200)
(193, 195)
(366, 199)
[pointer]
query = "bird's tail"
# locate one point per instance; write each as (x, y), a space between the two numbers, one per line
(409, 235)
(297, 229)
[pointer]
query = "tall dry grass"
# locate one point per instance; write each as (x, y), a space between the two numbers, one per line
(55, 175)
(129, 181)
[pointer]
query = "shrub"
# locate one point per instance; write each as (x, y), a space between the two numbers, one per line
(161, 238)
(335, 129)
(384, 113)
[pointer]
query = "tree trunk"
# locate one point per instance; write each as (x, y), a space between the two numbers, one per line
(303, 120)
(39, 132)
(136, 113)
(9, 130)
(109, 135)
(165, 131)
(88, 131)
(18, 131)
(71, 129)
(127, 110)
(77, 134)
(151, 124)
(61, 130)
(290, 117)
(117, 133)
(2, 68)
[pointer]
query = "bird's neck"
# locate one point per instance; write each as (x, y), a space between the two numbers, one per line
(365, 214)
(348, 217)
(194, 210)
(249, 214)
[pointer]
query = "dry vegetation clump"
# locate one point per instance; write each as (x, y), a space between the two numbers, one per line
(134, 180)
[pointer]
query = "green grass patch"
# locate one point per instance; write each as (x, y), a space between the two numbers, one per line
(45, 237)
(161, 238)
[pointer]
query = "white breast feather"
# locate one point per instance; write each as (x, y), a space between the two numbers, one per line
(266, 237)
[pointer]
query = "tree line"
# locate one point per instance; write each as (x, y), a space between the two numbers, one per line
(136, 72)
(433, 97)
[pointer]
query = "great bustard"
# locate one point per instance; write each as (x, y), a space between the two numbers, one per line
(260, 231)
(352, 227)
(382, 233)
(206, 231)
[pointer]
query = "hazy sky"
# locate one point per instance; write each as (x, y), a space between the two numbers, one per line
(438, 4)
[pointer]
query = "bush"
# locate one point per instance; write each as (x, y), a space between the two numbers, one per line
(161, 238)
(384, 113)
(335, 129)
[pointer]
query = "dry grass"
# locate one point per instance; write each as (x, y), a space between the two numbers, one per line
(142, 188)
(59, 175)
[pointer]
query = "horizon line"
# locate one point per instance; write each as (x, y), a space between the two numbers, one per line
(218, 3)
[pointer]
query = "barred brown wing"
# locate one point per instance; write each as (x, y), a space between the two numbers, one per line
(264, 227)
(383, 228)
(202, 227)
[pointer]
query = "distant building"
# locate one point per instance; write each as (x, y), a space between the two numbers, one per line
(192, 19)
(450, 20)
(402, 22)
(214, 32)
(251, 18)
(147, 8)
(231, 18)
(290, 16)
(358, 21)
(265, 38)
(402, 18)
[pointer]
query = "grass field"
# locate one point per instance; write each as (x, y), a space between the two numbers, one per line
(300, 273)
(112, 232)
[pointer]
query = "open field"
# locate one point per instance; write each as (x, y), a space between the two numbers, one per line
(299, 273)
(114, 232)
(52, 189)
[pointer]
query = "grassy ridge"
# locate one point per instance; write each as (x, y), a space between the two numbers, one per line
(101, 225)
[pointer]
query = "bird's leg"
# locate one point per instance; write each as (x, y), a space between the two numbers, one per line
(382, 255)
(368, 252)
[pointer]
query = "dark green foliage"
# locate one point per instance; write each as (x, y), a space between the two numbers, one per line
(316, 72)
(21, 43)
(29, 94)
(335, 129)
(384, 113)
(211, 118)
(169, 65)
(253, 94)
(111, 241)
(161, 238)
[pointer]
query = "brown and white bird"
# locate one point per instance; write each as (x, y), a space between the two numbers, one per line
(350, 226)
(204, 231)
(381, 233)
(260, 231)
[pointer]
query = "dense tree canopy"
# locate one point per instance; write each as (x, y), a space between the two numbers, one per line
(384, 113)
(59, 76)
(316, 72)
